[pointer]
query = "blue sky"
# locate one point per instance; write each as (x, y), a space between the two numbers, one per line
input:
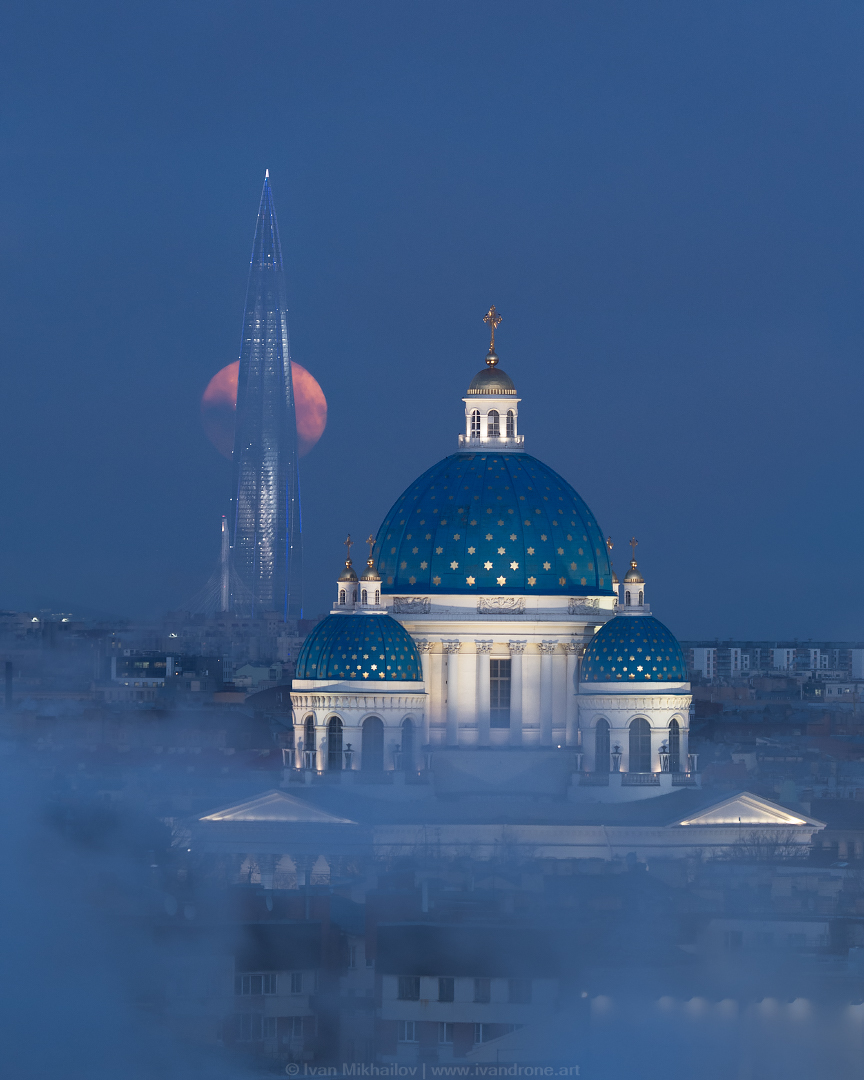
(663, 200)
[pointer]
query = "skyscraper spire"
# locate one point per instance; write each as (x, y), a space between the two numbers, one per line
(267, 548)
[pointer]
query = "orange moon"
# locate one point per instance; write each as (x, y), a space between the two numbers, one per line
(219, 404)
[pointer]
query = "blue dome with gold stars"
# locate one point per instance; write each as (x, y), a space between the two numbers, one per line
(363, 647)
(492, 523)
(633, 649)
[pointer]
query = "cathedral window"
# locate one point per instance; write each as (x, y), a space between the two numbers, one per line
(364, 597)
(640, 746)
(475, 424)
(341, 596)
(511, 424)
(627, 598)
(499, 693)
(493, 428)
(334, 743)
(641, 598)
(674, 747)
(377, 597)
(601, 746)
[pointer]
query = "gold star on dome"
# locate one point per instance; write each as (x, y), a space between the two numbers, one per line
(439, 551)
(547, 565)
(471, 550)
(487, 565)
(560, 551)
(424, 565)
(514, 565)
(436, 580)
(530, 551)
(469, 580)
(488, 536)
(454, 565)
(543, 536)
(532, 580)
(512, 536)
(414, 551)
(502, 581)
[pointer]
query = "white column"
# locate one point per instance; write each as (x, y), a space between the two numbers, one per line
(547, 648)
(571, 702)
(531, 697)
(451, 648)
(517, 648)
(321, 742)
(484, 648)
(425, 650)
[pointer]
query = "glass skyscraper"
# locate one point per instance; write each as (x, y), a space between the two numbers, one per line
(266, 549)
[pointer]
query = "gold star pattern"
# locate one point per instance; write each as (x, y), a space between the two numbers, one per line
(530, 551)
(470, 580)
(457, 536)
(500, 522)
(412, 580)
(471, 550)
(414, 551)
(502, 581)
(543, 536)
(439, 551)
(436, 580)
(488, 536)
(454, 565)
(487, 565)
(472, 522)
(547, 565)
(512, 536)
(402, 565)
(560, 551)
(514, 565)
(532, 580)
(424, 565)
(500, 551)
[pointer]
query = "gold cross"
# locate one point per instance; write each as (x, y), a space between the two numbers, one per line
(633, 544)
(371, 543)
(609, 543)
(494, 319)
(349, 543)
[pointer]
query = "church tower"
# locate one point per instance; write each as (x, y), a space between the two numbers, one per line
(266, 542)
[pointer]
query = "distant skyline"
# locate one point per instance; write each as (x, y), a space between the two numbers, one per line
(663, 200)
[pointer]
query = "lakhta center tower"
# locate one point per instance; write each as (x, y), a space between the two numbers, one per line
(266, 550)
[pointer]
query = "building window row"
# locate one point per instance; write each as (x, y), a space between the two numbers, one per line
(265, 984)
(518, 990)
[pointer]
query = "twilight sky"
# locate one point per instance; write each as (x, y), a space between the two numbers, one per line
(664, 200)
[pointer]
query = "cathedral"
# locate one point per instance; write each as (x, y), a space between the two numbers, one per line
(488, 641)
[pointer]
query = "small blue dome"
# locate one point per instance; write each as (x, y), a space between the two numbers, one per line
(481, 523)
(364, 647)
(633, 648)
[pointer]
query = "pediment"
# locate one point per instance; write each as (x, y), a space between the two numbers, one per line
(277, 806)
(747, 809)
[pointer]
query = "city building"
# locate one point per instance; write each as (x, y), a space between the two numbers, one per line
(266, 548)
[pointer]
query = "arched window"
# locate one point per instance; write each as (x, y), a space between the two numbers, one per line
(354, 597)
(364, 597)
(511, 424)
(674, 747)
(475, 424)
(627, 598)
(309, 742)
(372, 745)
(601, 746)
(341, 596)
(334, 743)
(408, 745)
(377, 597)
(493, 429)
(641, 598)
(640, 746)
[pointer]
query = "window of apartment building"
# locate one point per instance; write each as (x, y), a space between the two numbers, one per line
(482, 991)
(445, 989)
(482, 1033)
(445, 1034)
(732, 940)
(499, 693)
(352, 956)
(297, 982)
(253, 1027)
(254, 985)
(409, 988)
(519, 991)
(407, 1031)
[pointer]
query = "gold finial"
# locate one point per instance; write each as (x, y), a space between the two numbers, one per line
(633, 543)
(371, 542)
(494, 320)
(609, 544)
(349, 543)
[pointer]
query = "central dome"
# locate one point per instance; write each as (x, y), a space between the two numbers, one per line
(502, 523)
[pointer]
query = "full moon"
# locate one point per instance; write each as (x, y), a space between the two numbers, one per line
(219, 403)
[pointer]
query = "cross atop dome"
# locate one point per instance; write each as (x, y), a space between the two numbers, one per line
(494, 320)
